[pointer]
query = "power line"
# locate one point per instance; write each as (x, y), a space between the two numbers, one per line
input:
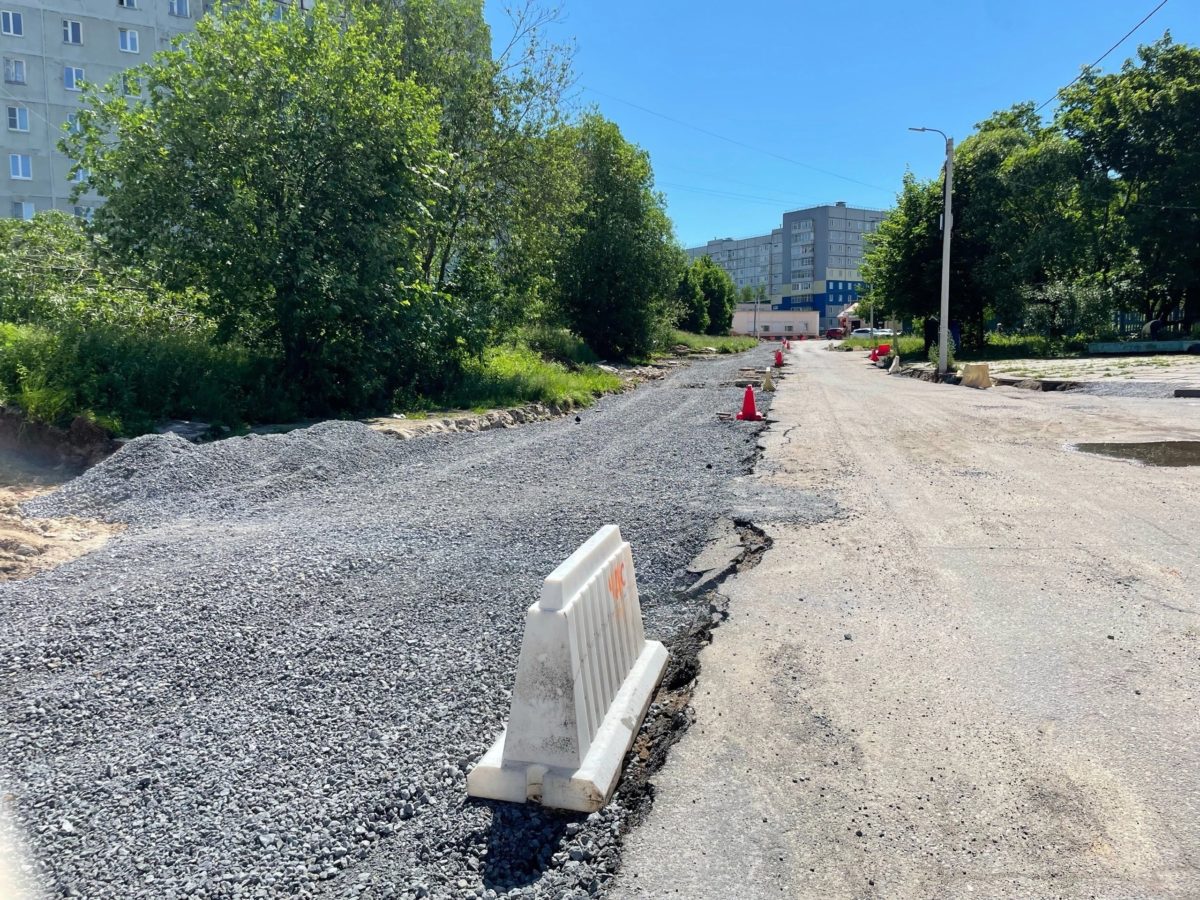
(734, 195)
(1105, 54)
(714, 192)
(736, 142)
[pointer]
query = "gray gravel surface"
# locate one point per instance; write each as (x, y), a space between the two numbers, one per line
(274, 682)
(1128, 388)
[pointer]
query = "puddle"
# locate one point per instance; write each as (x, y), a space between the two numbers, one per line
(1150, 453)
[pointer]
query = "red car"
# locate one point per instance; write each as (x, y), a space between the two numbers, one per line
(835, 333)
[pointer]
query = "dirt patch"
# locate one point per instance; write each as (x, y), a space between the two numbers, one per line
(31, 545)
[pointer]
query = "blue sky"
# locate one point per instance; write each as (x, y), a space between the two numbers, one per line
(832, 85)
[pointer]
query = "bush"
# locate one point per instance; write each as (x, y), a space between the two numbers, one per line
(129, 379)
(934, 351)
(512, 375)
(558, 344)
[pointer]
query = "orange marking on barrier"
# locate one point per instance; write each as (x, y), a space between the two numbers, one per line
(616, 587)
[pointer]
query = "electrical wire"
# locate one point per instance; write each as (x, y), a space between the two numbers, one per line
(1104, 55)
(736, 142)
(732, 195)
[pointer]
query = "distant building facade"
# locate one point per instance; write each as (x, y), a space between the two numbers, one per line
(50, 48)
(813, 266)
(751, 262)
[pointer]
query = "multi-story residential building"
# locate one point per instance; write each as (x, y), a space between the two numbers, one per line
(50, 48)
(751, 262)
(817, 255)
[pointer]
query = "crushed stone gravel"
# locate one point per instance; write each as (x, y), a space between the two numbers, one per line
(273, 683)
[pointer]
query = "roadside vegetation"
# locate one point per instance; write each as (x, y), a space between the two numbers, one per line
(721, 343)
(1060, 226)
(342, 212)
(994, 347)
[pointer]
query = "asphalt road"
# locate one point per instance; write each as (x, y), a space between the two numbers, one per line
(982, 679)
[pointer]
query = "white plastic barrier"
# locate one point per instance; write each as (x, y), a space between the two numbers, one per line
(584, 681)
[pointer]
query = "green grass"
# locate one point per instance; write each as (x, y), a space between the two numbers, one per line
(513, 375)
(127, 379)
(556, 343)
(910, 345)
(722, 343)
(1017, 346)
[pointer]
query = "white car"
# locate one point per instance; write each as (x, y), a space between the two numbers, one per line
(861, 332)
(884, 332)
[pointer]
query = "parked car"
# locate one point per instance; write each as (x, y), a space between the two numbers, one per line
(884, 332)
(834, 333)
(861, 332)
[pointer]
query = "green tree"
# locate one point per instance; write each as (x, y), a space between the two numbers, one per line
(692, 304)
(621, 266)
(1139, 129)
(490, 243)
(285, 168)
(720, 295)
(903, 258)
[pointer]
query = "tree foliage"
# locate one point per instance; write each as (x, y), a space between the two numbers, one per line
(720, 294)
(1059, 225)
(693, 306)
(286, 169)
(369, 193)
(621, 266)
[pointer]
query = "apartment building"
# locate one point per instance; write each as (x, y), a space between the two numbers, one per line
(50, 48)
(815, 267)
(751, 262)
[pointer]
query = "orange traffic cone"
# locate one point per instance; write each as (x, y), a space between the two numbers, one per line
(778, 359)
(749, 411)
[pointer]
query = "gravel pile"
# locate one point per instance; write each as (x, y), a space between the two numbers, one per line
(273, 683)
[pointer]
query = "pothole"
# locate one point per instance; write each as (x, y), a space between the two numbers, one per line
(1149, 453)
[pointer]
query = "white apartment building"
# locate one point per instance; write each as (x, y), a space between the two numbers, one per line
(751, 262)
(50, 48)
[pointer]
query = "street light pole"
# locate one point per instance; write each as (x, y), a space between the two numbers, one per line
(947, 224)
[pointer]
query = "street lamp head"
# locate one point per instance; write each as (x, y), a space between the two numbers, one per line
(918, 129)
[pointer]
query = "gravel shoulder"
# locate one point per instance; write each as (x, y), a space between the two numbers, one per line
(979, 679)
(272, 683)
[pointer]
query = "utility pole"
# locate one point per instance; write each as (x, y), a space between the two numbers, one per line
(947, 224)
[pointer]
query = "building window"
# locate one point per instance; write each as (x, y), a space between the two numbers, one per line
(128, 39)
(14, 71)
(20, 166)
(73, 124)
(22, 209)
(72, 32)
(84, 212)
(127, 4)
(787, 327)
(18, 118)
(766, 328)
(73, 78)
(12, 24)
(179, 8)
(80, 175)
